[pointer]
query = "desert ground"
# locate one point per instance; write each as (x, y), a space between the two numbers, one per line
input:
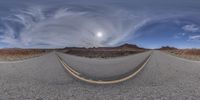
(104, 52)
(13, 54)
(191, 54)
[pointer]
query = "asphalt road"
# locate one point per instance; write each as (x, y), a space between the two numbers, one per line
(100, 68)
(44, 78)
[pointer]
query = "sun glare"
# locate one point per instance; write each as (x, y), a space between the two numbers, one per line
(99, 34)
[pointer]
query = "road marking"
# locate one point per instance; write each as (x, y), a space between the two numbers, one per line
(76, 74)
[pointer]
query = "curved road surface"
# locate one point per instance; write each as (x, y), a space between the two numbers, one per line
(106, 80)
(44, 78)
(105, 69)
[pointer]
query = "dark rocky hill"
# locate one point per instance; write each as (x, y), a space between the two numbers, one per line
(167, 48)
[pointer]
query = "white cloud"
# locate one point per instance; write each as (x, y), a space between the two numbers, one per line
(179, 35)
(62, 27)
(191, 28)
(183, 34)
(65, 27)
(195, 37)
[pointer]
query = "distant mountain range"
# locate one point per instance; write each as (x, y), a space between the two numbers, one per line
(125, 46)
(104, 52)
(167, 48)
(121, 47)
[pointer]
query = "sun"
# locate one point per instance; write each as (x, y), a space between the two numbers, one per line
(99, 34)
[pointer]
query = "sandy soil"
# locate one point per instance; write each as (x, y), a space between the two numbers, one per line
(102, 53)
(19, 57)
(20, 54)
(191, 54)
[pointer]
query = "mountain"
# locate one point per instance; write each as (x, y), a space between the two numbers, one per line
(121, 47)
(129, 46)
(167, 48)
(104, 52)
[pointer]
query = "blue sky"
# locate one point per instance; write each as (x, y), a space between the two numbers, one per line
(184, 34)
(94, 23)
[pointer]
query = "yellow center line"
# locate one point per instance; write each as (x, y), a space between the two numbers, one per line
(76, 74)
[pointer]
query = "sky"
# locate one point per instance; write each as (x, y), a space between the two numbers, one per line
(99, 23)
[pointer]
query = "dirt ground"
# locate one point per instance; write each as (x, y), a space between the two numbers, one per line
(10, 54)
(101, 54)
(191, 54)
(19, 54)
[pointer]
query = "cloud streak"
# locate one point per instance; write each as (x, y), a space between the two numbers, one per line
(65, 27)
(191, 28)
(195, 37)
(76, 23)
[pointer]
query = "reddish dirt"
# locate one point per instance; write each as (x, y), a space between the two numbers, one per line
(100, 52)
(105, 52)
(18, 54)
(193, 54)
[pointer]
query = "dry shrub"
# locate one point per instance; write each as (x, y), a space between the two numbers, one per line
(195, 52)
